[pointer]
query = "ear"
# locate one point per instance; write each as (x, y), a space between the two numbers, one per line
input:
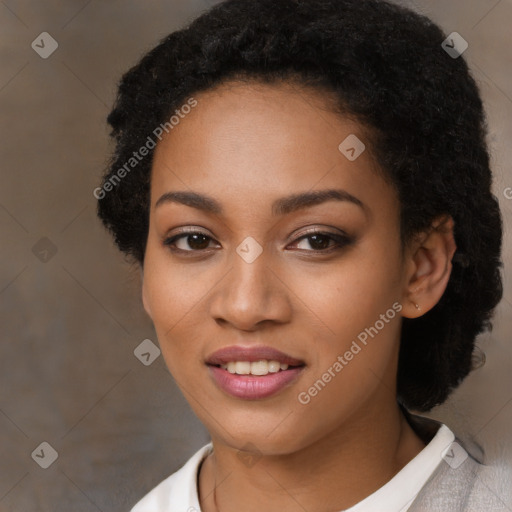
(428, 267)
(145, 300)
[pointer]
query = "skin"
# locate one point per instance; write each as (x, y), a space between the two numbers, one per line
(245, 145)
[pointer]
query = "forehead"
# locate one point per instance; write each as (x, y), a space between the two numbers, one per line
(263, 141)
(268, 121)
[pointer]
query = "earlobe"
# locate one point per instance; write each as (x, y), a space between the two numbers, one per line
(429, 268)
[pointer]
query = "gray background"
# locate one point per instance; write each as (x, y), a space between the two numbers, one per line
(71, 319)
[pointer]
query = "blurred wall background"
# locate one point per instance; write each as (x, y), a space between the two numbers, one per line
(70, 307)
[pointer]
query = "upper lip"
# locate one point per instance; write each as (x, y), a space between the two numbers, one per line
(239, 353)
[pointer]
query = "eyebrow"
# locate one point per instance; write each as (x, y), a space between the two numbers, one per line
(281, 206)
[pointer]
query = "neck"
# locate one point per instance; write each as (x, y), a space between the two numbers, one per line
(333, 473)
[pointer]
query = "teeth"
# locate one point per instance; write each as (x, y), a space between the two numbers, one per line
(262, 367)
(242, 367)
(273, 366)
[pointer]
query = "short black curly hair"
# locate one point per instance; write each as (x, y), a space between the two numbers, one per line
(386, 66)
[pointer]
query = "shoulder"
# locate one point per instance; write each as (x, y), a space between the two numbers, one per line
(467, 479)
(462, 484)
(178, 491)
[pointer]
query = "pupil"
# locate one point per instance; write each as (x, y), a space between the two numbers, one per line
(204, 245)
(316, 238)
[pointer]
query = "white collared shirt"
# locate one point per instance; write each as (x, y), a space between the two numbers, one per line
(178, 492)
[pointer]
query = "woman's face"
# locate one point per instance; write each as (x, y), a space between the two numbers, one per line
(252, 279)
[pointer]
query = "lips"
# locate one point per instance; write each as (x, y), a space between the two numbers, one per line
(251, 354)
(247, 387)
(250, 387)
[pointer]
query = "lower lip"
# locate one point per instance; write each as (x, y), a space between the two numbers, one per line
(251, 387)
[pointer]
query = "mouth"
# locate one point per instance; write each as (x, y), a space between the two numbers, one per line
(253, 373)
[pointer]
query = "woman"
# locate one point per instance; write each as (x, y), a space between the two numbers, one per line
(306, 188)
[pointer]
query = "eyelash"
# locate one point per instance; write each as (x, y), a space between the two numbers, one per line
(341, 241)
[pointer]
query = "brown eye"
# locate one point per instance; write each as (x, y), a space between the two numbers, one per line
(321, 241)
(195, 240)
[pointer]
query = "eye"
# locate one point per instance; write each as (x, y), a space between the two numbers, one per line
(320, 241)
(196, 240)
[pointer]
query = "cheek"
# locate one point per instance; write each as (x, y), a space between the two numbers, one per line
(174, 290)
(174, 296)
(361, 324)
(352, 293)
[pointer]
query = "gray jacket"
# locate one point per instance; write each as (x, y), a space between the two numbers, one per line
(469, 487)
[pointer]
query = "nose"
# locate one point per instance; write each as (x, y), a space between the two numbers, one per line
(251, 294)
